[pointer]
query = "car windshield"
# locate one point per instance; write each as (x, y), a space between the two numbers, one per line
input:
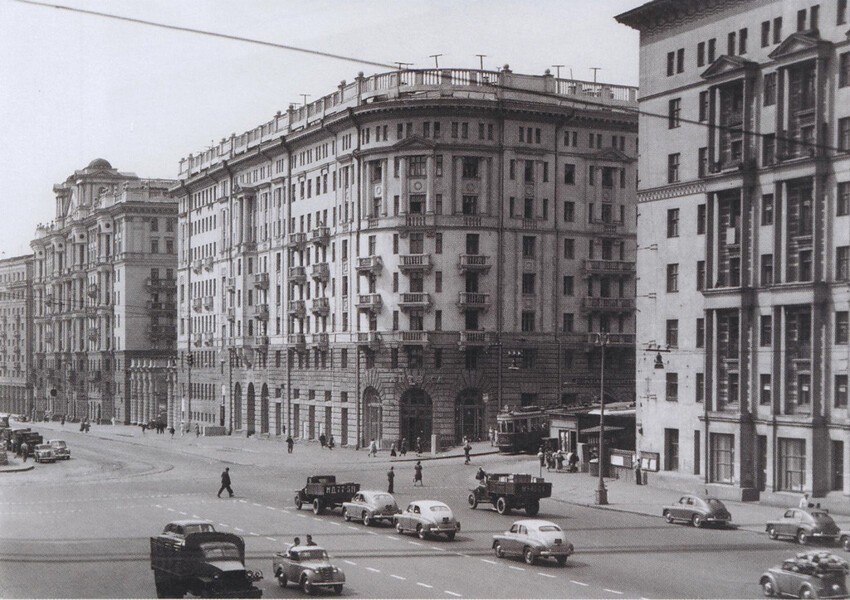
(220, 552)
(43, 447)
(439, 508)
(549, 528)
(312, 554)
(58, 444)
(198, 528)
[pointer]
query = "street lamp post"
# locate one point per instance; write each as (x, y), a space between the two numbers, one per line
(601, 491)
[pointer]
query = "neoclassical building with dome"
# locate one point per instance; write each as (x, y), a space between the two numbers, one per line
(103, 298)
(406, 255)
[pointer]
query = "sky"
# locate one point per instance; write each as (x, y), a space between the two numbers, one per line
(75, 87)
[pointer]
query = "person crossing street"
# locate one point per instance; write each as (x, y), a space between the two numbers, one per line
(225, 482)
(390, 480)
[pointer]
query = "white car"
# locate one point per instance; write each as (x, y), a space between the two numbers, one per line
(60, 449)
(427, 517)
(370, 507)
(44, 453)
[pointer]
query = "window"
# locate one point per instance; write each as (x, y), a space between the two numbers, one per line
(702, 162)
(700, 54)
(470, 205)
(842, 263)
(569, 248)
(528, 283)
(569, 174)
(743, 34)
(673, 277)
(841, 327)
(671, 63)
(568, 285)
(567, 324)
(416, 166)
(801, 19)
(569, 211)
(671, 449)
(674, 111)
(673, 333)
(767, 209)
(712, 49)
(814, 14)
(842, 206)
(841, 12)
(765, 34)
(529, 245)
(730, 44)
(700, 275)
(528, 321)
(844, 134)
(764, 388)
(672, 222)
(672, 387)
(804, 389)
(777, 30)
(701, 219)
(438, 243)
(680, 60)
(699, 385)
(703, 106)
(673, 168)
(470, 167)
(792, 464)
(765, 330)
(769, 89)
(722, 458)
(841, 391)
(529, 171)
(767, 269)
(700, 333)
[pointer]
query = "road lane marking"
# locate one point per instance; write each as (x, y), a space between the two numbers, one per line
(252, 533)
(335, 524)
(373, 570)
(301, 516)
(350, 562)
(612, 591)
(271, 539)
(371, 533)
(547, 575)
(182, 513)
(414, 543)
(516, 568)
(195, 517)
(238, 529)
(171, 510)
(489, 562)
(223, 525)
(425, 585)
(243, 501)
(392, 537)
(354, 528)
(271, 508)
(255, 504)
(579, 583)
(286, 511)
(398, 577)
(453, 593)
(316, 519)
(435, 548)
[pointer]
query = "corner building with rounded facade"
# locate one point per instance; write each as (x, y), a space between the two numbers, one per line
(407, 254)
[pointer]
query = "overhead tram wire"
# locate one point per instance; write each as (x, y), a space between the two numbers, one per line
(394, 66)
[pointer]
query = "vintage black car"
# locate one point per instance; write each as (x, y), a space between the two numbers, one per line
(697, 511)
(323, 491)
(370, 507)
(532, 539)
(804, 525)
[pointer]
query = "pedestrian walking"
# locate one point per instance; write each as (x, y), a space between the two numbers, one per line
(323, 440)
(197, 430)
(225, 482)
(804, 501)
(25, 451)
(289, 444)
(403, 449)
(62, 421)
(373, 448)
(331, 442)
(171, 431)
(390, 480)
(418, 446)
(638, 474)
(491, 435)
(417, 474)
(467, 449)
(393, 451)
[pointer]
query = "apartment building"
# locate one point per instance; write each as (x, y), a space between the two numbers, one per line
(16, 335)
(104, 285)
(408, 254)
(744, 243)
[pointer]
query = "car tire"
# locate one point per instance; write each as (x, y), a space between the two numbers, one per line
(398, 528)
(802, 537)
(668, 516)
(338, 589)
(767, 588)
(498, 550)
(307, 586)
(473, 501)
(562, 560)
(771, 533)
(451, 536)
(806, 592)
(697, 521)
(367, 520)
(532, 508)
(420, 531)
(528, 555)
(298, 502)
(345, 515)
(503, 507)
(317, 506)
(281, 578)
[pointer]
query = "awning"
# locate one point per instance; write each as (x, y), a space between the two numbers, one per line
(595, 429)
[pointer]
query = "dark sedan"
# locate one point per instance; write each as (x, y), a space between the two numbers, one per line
(698, 511)
(804, 525)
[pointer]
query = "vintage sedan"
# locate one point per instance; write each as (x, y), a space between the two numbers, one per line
(427, 517)
(808, 575)
(698, 511)
(804, 525)
(309, 567)
(60, 449)
(44, 453)
(532, 539)
(370, 507)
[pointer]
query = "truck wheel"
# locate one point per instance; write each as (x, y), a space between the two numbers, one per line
(528, 555)
(298, 502)
(473, 501)
(532, 507)
(281, 578)
(420, 531)
(307, 586)
(802, 537)
(317, 507)
(771, 532)
(503, 507)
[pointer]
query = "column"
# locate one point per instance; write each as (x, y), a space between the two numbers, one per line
(385, 188)
(403, 192)
(431, 172)
(486, 167)
(240, 221)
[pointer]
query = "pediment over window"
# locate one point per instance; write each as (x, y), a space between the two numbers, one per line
(801, 41)
(415, 142)
(611, 154)
(726, 64)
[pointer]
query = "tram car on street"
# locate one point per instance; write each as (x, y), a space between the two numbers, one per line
(521, 429)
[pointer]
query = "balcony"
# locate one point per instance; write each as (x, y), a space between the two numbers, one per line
(298, 274)
(608, 227)
(371, 302)
(208, 263)
(321, 236)
(197, 304)
(231, 283)
(320, 306)
(614, 339)
(209, 302)
(414, 262)
(370, 264)
(372, 339)
(474, 339)
(261, 312)
(198, 339)
(298, 309)
(474, 263)
(609, 267)
(320, 272)
(298, 341)
(92, 290)
(321, 341)
(800, 352)
(160, 284)
(154, 306)
(412, 338)
(467, 300)
(261, 341)
(414, 300)
(418, 222)
(197, 265)
(91, 309)
(261, 280)
(297, 241)
(620, 305)
(93, 334)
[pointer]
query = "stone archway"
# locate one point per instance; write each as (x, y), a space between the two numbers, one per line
(469, 416)
(250, 416)
(416, 416)
(237, 406)
(264, 409)
(373, 415)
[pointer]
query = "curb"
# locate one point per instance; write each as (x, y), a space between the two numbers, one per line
(16, 469)
(443, 457)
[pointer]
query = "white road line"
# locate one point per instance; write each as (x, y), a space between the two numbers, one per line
(271, 508)
(335, 524)
(284, 510)
(371, 533)
(425, 585)
(255, 504)
(354, 528)
(302, 516)
(489, 562)
(516, 568)
(316, 519)
(392, 537)
(182, 513)
(170, 510)
(244, 501)
(547, 575)
(579, 583)
(350, 562)
(452, 593)
(238, 529)
(438, 549)
(398, 577)
(157, 505)
(612, 591)
(271, 539)
(414, 543)
(252, 533)
(195, 517)
(373, 570)
(224, 525)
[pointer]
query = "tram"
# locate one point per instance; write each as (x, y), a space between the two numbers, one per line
(521, 429)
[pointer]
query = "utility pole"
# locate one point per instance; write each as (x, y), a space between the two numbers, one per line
(481, 58)
(402, 65)
(601, 491)
(436, 61)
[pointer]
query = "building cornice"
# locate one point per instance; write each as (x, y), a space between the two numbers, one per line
(671, 191)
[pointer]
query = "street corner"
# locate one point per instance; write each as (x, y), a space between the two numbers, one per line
(16, 467)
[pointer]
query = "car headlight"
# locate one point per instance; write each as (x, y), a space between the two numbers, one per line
(334, 570)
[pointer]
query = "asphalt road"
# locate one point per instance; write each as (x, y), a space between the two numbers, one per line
(81, 529)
